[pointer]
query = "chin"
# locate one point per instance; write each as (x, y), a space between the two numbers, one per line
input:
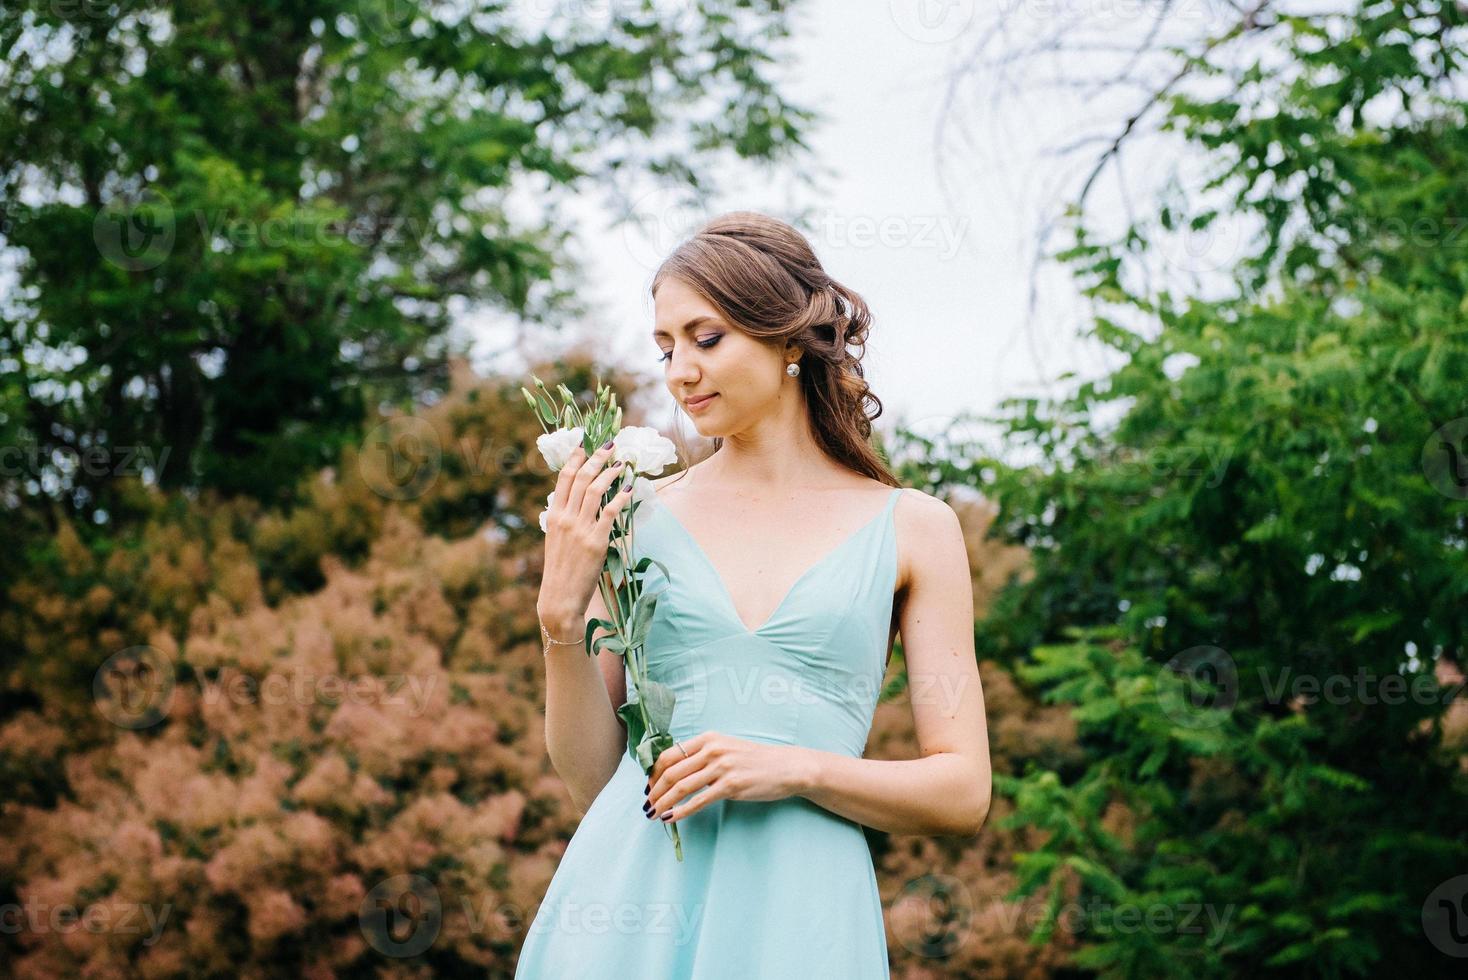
(712, 431)
(705, 425)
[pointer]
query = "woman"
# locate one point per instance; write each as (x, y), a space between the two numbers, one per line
(794, 557)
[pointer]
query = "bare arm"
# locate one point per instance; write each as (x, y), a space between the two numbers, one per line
(583, 735)
(948, 789)
(582, 730)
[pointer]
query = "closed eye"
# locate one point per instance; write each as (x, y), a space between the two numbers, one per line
(702, 343)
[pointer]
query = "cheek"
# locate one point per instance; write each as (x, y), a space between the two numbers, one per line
(749, 370)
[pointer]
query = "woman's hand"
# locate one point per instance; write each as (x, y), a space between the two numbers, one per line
(576, 538)
(722, 767)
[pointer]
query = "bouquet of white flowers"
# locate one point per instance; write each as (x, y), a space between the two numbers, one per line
(649, 711)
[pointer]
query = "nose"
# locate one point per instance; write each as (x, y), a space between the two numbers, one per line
(682, 372)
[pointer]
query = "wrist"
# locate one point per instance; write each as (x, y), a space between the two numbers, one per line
(810, 772)
(557, 636)
(560, 626)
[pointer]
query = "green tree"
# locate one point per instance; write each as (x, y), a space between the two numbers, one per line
(240, 226)
(1245, 583)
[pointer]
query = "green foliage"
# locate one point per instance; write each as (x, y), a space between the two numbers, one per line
(1264, 506)
(243, 227)
(1245, 782)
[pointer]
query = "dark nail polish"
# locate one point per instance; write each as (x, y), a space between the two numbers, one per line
(646, 806)
(647, 789)
(607, 444)
(667, 816)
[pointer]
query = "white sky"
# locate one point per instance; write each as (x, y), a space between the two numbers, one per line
(939, 245)
(942, 258)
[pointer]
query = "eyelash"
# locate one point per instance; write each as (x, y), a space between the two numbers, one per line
(702, 343)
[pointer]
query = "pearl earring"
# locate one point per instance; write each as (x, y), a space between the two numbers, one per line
(792, 369)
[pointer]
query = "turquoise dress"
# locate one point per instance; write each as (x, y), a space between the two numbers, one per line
(765, 890)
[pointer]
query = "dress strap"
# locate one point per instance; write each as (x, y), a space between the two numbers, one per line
(892, 503)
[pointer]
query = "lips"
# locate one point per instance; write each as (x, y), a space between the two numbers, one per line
(700, 401)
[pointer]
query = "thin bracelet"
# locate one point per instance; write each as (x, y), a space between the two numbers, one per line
(545, 649)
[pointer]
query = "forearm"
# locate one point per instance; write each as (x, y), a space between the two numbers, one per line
(939, 794)
(583, 735)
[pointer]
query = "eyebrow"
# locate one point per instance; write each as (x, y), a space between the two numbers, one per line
(657, 334)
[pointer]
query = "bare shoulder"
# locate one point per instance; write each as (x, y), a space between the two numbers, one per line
(921, 519)
(924, 508)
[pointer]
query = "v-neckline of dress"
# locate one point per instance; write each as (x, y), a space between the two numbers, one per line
(820, 563)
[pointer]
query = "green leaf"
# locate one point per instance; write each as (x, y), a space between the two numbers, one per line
(642, 616)
(659, 699)
(1366, 623)
(647, 739)
(610, 641)
(631, 714)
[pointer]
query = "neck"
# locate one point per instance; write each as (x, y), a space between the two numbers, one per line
(767, 469)
(774, 457)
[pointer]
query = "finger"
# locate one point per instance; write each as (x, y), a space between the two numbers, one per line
(660, 765)
(598, 488)
(678, 785)
(687, 795)
(564, 478)
(666, 758)
(696, 742)
(672, 766)
(588, 472)
(681, 757)
(710, 795)
(616, 505)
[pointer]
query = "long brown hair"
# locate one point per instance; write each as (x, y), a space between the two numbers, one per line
(764, 277)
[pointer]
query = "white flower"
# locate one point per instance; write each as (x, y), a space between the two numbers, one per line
(644, 449)
(550, 498)
(557, 446)
(643, 496)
